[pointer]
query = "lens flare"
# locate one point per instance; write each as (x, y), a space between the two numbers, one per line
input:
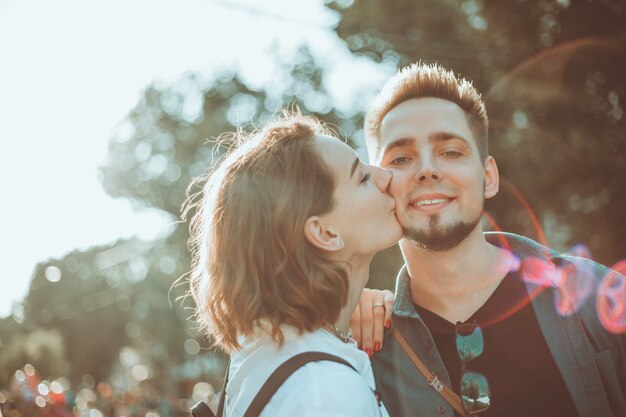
(611, 299)
(573, 283)
(580, 250)
(539, 272)
(541, 237)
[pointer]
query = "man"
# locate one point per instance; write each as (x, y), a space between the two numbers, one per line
(535, 347)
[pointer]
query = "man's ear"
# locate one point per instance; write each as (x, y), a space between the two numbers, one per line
(321, 236)
(492, 178)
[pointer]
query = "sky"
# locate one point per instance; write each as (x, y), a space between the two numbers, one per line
(71, 70)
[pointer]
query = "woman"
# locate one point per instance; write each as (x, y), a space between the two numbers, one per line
(283, 238)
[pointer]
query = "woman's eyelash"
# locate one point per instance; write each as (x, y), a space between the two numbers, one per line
(365, 178)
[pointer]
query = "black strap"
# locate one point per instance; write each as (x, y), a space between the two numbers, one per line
(283, 372)
(220, 406)
(203, 410)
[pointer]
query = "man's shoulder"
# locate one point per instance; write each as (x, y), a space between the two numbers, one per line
(519, 245)
(524, 247)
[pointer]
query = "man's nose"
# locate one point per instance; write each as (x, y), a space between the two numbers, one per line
(428, 171)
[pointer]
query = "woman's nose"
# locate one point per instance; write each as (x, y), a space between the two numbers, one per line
(383, 178)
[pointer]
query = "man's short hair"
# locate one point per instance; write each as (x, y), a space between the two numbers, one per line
(422, 80)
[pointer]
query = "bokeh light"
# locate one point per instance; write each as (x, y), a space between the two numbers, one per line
(94, 412)
(40, 401)
(88, 381)
(29, 369)
(129, 357)
(141, 372)
(43, 389)
(192, 346)
(20, 376)
(53, 273)
(56, 387)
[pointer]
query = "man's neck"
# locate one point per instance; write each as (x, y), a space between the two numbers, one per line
(457, 282)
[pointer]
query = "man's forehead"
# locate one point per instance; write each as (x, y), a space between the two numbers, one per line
(424, 118)
(422, 110)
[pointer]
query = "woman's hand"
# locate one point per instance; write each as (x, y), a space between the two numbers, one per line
(371, 316)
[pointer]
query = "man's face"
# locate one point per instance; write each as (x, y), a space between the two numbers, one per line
(439, 181)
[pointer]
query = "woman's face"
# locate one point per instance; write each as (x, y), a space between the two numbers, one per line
(364, 214)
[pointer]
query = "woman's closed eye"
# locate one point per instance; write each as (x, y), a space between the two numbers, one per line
(365, 178)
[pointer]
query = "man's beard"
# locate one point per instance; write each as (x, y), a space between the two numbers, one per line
(438, 238)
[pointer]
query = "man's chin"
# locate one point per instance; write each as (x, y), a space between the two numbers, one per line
(437, 238)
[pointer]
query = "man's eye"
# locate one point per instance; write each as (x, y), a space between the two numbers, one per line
(452, 154)
(365, 178)
(399, 161)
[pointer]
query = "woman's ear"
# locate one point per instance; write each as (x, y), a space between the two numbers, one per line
(320, 236)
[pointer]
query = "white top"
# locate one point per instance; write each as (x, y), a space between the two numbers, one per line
(317, 389)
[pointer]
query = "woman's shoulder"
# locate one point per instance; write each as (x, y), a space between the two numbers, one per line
(325, 388)
(322, 384)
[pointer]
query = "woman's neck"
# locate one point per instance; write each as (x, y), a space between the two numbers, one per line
(358, 276)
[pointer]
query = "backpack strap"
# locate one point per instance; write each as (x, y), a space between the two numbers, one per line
(283, 372)
(201, 409)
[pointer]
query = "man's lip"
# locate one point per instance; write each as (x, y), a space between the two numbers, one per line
(427, 197)
(430, 203)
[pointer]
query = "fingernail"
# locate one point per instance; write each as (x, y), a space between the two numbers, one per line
(376, 346)
(388, 324)
(369, 352)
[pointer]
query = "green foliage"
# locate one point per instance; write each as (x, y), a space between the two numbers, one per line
(167, 140)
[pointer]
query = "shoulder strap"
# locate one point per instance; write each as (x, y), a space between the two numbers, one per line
(220, 405)
(446, 392)
(283, 372)
(201, 409)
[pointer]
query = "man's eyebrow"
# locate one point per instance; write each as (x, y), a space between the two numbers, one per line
(354, 165)
(398, 143)
(443, 136)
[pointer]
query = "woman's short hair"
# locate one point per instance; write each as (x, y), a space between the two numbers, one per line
(252, 265)
(422, 80)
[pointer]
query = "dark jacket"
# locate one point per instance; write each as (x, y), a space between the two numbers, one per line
(591, 360)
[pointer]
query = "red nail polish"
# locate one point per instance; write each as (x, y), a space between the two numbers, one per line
(388, 324)
(376, 346)
(369, 352)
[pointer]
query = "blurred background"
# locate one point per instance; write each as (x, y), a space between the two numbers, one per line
(107, 110)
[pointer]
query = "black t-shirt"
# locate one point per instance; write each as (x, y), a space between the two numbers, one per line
(523, 378)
